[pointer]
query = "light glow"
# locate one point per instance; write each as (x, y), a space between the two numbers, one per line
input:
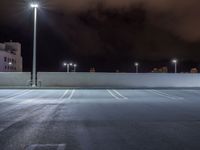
(34, 5)
(136, 64)
(64, 64)
(175, 61)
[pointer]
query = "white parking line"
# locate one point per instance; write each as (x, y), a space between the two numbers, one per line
(18, 119)
(113, 95)
(25, 115)
(14, 97)
(120, 94)
(167, 95)
(14, 94)
(65, 93)
(116, 94)
(71, 95)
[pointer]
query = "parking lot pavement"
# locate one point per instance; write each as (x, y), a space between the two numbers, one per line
(106, 119)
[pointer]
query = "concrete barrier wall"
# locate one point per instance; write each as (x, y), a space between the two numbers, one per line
(118, 80)
(14, 79)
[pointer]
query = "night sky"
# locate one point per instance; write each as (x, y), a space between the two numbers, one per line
(106, 34)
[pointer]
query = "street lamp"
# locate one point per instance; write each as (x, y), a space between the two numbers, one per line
(175, 61)
(34, 73)
(75, 65)
(136, 67)
(34, 5)
(10, 63)
(67, 65)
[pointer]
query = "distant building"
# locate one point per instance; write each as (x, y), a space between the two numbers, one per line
(155, 70)
(10, 57)
(160, 70)
(164, 69)
(194, 70)
(92, 69)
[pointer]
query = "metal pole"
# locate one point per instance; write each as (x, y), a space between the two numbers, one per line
(67, 67)
(136, 69)
(34, 73)
(74, 68)
(175, 67)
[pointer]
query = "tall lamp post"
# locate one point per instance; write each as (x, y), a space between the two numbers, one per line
(175, 61)
(136, 67)
(34, 73)
(67, 65)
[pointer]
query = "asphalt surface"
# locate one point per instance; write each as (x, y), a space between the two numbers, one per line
(99, 119)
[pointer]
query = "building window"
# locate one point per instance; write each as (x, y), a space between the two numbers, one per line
(5, 59)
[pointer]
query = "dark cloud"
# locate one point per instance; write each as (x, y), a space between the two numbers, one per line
(178, 16)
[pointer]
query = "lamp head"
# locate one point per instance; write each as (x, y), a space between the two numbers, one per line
(174, 61)
(64, 64)
(34, 5)
(136, 64)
